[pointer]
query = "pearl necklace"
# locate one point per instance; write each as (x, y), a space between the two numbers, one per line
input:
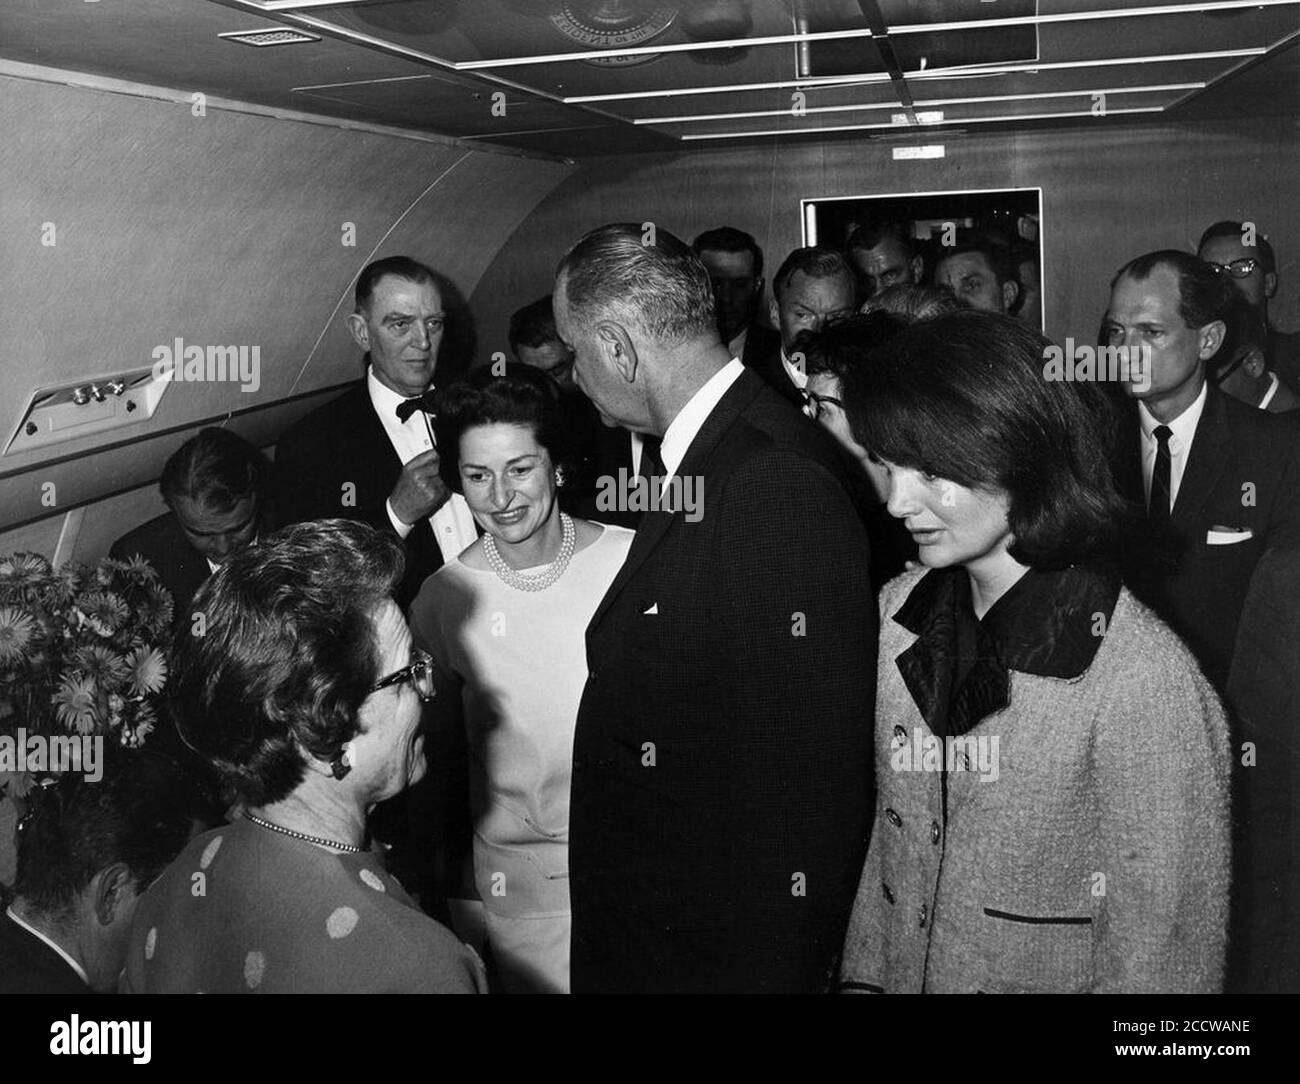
(318, 840)
(537, 581)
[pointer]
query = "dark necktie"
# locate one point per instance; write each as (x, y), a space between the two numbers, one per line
(407, 407)
(1159, 507)
(652, 466)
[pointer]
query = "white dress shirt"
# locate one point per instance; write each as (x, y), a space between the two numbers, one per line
(737, 345)
(798, 377)
(1268, 395)
(453, 523)
(686, 425)
(81, 971)
(1180, 444)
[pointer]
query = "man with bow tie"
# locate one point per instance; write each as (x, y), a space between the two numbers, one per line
(370, 454)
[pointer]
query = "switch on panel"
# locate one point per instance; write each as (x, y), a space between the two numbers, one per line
(88, 406)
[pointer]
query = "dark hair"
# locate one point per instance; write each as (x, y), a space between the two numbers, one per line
(963, 397)
(998, 257)
(644, 273)
(533, 325)
(1244, 328)
(1203, 294)
(403, 267)
(140, 813)
(521, 395)
(872, 235)
(846, 344)
(1236, 230)
(730, 239)
(815, 261)
(216, 469)
(280, 652)
(911, 302)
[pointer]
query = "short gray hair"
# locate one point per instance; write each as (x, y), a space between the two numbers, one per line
(644, 273)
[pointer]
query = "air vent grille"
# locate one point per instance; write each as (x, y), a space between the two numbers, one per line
(272, 36)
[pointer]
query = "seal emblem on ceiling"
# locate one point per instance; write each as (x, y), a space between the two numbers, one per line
(613, 24)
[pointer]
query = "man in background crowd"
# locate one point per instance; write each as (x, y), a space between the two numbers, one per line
(812, 288)
(979, 272)
(883, 256)
(214, 486)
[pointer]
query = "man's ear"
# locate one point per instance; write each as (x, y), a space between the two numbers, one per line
(759, 283)
(918, 267)
(774, 313)
(1211, 338)
(1010, 291)
(1270, 285)
(111, 889)
(617, 346)
(360, 330)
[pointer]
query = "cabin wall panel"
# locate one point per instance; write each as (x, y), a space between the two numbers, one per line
(224, 229)
(1108, 195)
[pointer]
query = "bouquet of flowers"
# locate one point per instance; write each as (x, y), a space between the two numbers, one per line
(81, 651)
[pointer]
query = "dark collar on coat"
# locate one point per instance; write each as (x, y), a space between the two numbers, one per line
(1049, 623)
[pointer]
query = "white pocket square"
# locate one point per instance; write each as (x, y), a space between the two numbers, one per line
(1226, 536)
(654, 609)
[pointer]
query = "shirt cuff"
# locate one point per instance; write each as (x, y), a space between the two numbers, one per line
(402, 529)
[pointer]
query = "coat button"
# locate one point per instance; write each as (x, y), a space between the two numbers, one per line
(894, 818)
(592, 677)
(935, 832)
(922, 915)
(889, 896)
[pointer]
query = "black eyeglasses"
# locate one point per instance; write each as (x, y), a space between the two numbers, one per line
(813, 402)
(419, 674)
(1238, 269)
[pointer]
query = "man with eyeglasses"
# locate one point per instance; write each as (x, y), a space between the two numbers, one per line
(369, 455)
(1246, 258)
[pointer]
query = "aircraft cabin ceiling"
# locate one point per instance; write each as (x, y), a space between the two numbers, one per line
(582, 78)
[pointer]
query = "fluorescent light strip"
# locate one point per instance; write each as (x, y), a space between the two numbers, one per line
(931, 73)
(688, 118)
(951, 122)
(1087, 16)
(788, 39)
(655, 50)
(917, 28)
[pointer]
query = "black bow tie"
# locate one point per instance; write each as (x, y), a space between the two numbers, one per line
(407, 407)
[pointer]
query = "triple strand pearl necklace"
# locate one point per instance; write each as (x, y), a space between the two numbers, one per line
(538, 581)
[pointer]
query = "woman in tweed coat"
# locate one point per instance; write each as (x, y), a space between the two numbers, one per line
(1052, 768)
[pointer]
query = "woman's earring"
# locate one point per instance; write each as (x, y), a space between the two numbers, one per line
(559, 476)
(341, 764)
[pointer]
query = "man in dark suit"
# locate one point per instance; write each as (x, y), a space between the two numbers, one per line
(605, 449)
(1220, 480)
(369, 454)
(214, 488)
(87, 850)
(812, 288)
(722, 779)
(734, 262)
(1244, 255)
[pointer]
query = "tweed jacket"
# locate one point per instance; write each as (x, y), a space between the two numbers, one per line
(1091, 854)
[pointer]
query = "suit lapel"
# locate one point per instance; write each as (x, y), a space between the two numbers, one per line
(655, 524)
(1206, 462)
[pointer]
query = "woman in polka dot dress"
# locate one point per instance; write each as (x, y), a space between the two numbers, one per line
(304, 692)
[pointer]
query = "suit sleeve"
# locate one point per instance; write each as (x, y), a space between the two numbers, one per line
(797, 606)
(309, 480)
(1161, 762)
